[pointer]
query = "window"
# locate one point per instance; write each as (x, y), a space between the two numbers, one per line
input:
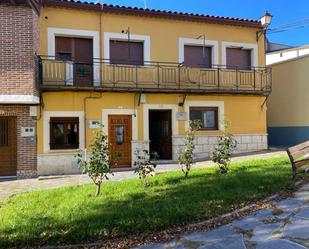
(197, 56)
(4, 132)
(64, 133)
(207, 115)
(128, 53)
(238, 58)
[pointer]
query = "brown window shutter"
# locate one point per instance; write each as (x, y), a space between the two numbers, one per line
(195, 57)
(123, 52)
(238, 58)
(83, 51)
(64, 45)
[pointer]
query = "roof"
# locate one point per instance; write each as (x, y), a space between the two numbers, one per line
(152, 13)
(34, 4)
(275, 47)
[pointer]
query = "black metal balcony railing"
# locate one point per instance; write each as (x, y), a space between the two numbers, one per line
(151, 77)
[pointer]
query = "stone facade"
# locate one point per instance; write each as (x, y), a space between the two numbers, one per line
(205, 144)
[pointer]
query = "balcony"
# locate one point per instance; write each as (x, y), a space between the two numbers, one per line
(100, 75)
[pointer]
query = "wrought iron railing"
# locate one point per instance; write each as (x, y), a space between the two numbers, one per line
(152, 76)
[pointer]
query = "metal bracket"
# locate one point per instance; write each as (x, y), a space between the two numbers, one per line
(181, 103)
(264, 101)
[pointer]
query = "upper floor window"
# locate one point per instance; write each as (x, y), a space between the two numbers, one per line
(197, 56)
(125, 52)
(207, 115)
(64, 133)
(77, 49)
(238, 58)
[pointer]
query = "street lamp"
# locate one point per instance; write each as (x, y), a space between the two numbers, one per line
(265, 21)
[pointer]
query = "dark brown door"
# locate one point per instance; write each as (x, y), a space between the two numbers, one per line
(80, 51)
(120, 138)
(124, 52)
(160, 133)
(8, 151)
(238, 58)
(197, 56)
(83, 62)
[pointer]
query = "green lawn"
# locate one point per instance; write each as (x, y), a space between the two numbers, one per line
(73, 214)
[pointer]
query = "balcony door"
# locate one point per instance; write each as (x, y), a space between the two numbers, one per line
(78, 55)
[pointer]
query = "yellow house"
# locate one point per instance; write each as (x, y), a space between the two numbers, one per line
(288, 120)
(144, 74)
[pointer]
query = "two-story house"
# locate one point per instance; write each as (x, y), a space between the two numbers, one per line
(144, 74)
(19, 41)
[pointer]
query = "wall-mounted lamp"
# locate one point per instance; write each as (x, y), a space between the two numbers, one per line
(265, 21)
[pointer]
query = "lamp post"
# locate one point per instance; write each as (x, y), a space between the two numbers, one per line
(265, 21)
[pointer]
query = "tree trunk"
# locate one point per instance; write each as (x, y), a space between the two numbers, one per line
(98, 189)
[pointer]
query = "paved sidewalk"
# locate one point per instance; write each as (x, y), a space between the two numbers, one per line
(10, 187)
(285, 227)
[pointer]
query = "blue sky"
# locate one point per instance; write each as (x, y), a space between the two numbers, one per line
(284, 11)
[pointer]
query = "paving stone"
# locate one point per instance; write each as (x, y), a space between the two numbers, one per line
(213, 235)
(298, 229)
(303, 213)
(289, 204)
(151, 246)
(302, 196)
(265, 231)
(174, 245)
(279, 244)
(264, 214)
(247, 223)
(304, 188)
(236, 242)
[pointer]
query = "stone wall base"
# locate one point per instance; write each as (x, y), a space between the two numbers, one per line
(65, 163)
(23, 174)
(204, 145)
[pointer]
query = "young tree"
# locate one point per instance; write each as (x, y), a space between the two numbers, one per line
(223, 151)
(98, 167)
(186, 156)
(145, 167)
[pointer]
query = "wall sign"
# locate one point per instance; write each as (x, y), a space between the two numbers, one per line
(94, 124)
(181, 116)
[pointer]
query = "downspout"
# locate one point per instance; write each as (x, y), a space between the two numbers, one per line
(85, 115)
(92, 97)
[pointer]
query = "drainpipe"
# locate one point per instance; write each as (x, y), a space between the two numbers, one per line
(85, 115)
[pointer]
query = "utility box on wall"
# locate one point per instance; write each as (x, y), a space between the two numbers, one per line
(27, 131)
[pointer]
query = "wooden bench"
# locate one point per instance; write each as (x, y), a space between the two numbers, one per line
(297, 155)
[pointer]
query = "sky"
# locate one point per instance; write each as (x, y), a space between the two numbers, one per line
(284, 11)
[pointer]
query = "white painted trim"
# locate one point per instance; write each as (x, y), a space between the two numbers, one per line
(189, 41)
(19, 99)
(53, 32)
(148, 107)
(46, 129)
(206, 103)
(106, 112)
(124, 37)
(251, 46)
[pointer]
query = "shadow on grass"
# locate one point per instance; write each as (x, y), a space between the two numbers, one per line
(171, 200)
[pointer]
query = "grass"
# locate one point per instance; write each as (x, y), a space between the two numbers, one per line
(74, 215)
